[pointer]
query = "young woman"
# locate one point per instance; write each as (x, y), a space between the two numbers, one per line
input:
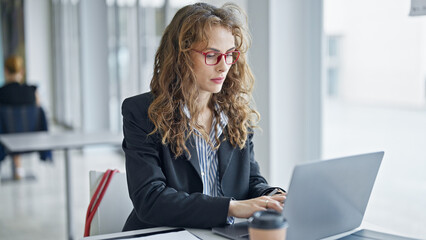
(188, 142)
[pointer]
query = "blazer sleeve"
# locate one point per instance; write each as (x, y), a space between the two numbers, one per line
(153, 200)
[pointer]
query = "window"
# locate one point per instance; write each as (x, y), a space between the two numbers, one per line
(66, 63)
(380, 82)
(134, 30)
(333, 64)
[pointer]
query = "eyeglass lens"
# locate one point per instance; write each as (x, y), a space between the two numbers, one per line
(214, 57)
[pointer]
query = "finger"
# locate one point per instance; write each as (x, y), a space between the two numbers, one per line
(273, 203)
(260, 208)
(265, 201)
(279, 195)
(276, 205)
(280, 198)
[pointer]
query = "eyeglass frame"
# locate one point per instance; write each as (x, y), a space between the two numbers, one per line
(218, 57)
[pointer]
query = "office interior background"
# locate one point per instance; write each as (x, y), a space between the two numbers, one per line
(333, 78)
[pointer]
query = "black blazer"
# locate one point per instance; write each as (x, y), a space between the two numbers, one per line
(167, 191)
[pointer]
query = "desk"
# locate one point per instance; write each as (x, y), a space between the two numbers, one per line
(37, 141)
(205, 234)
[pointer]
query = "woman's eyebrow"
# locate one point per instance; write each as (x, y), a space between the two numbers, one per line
(217, 50)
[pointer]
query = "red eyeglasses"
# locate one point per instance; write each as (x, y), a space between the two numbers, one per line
(213, 58)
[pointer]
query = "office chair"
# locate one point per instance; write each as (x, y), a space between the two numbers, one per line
(20, 119)
(115, 206)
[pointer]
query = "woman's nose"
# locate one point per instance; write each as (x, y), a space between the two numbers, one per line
(221, 65)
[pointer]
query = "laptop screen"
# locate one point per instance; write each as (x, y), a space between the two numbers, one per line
(330, 197)
(325, 198)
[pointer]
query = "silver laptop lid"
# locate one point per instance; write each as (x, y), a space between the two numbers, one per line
(330, 196)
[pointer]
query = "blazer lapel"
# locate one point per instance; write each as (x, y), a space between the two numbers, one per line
(190, 144)
(225, 152)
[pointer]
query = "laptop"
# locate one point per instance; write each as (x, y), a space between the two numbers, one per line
(326, 198)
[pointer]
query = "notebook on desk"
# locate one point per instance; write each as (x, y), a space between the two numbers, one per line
(326, 198)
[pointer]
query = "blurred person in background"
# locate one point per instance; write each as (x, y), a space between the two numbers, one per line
(16, 93)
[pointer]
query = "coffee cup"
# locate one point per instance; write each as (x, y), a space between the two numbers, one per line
(267, 225)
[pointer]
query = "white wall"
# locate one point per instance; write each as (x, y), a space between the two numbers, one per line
(94, 65)
(383, 51)
(286, 60)
(38, 48)
(258, 12)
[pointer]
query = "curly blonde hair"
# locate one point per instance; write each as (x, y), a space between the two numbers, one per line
(173, 84)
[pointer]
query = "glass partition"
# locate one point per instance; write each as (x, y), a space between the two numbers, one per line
(374, 99)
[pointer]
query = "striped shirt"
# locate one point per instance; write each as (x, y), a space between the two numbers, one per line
(208, 159)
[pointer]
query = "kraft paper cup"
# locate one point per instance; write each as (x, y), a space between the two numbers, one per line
(267, 225)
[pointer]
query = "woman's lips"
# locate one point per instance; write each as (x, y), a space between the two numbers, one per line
(218, 80)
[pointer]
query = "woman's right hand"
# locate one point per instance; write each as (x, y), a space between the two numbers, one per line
(246, 208)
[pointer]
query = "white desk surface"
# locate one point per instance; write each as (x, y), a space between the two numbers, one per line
(205, 234)
(36, 141)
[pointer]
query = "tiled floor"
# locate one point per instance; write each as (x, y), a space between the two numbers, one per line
(36, 209)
